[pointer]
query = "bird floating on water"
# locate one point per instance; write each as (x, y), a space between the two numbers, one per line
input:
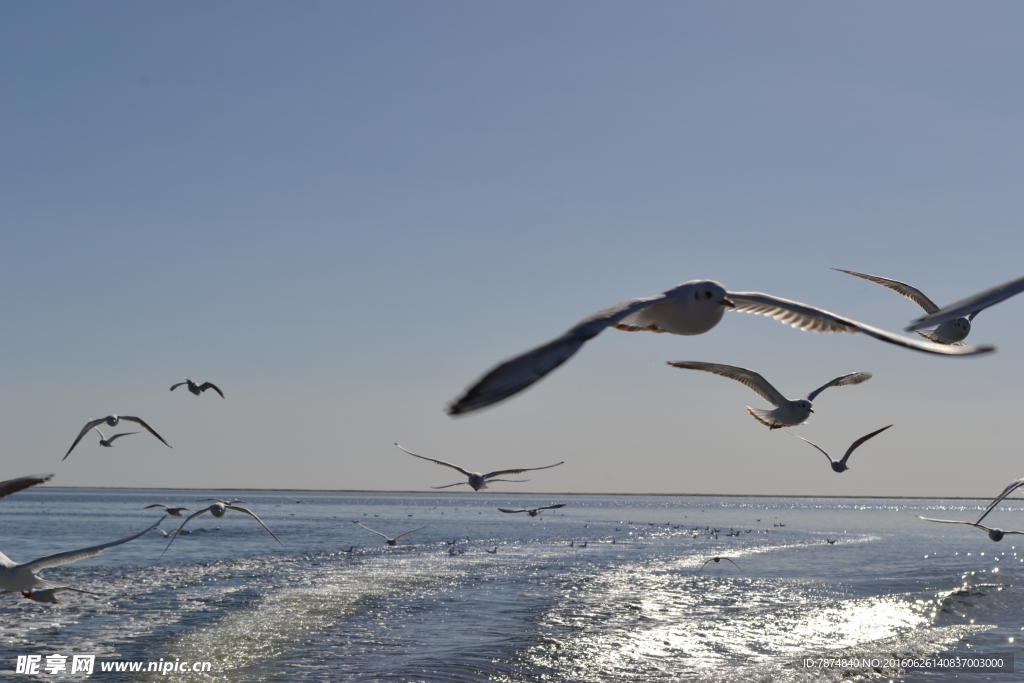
(787, 413)
(112, 420)
(840, 465)
(476, 480)
(691, 308)
(198, 389)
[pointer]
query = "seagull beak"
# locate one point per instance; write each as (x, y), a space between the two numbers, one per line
(811, 409)
(727, 303)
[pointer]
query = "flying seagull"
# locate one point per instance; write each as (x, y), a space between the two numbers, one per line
(48, 595)
(218, 510)
(717, 559)
(971, 306)
(950, 332)
(173, 512)
(108, 443)
(112, 420)
(840, 465)
(24, 577)
(534, 511)
(688, 309)
(14, 485)
(476, 480)
(993, 533)
(387, 539)
(787, 413)
(197, 389)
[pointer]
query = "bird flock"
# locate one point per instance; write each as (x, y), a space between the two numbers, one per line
(691, 308)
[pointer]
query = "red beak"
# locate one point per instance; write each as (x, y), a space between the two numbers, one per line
(727, 303)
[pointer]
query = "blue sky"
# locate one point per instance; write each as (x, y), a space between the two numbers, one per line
(344, 213)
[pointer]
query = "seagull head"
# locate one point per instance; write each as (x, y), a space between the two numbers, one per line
(839, 467)
(712, 293)
(804, 404)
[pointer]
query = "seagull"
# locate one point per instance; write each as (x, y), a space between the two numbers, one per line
(830, 541)
(476, 480)
(112, 420)
(971, 306)
(993, 533)
(393, 541)
(197, 389)
(493, 552)
(166, 534)
(534, 511)
(840, 465)
(173, 512)
(48, 595)
(218, 510)
(717, 559)
(24, 577)
(688, 309)
(14, 485)
(787, 413)
(104, 441)
(950, 332)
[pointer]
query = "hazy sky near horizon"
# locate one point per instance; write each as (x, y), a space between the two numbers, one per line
(344, 213)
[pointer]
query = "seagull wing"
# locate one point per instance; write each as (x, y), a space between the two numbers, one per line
(815, 445)
(748, 378)
(1007, 491)
(448, 486)
(115, 437)
(75, 555)
(842, 380)
(953, 521)
(912, 293)
(85, 430)
(518, 481)
(811, 319)
(376, 532)
(187, 520)
(155, 505)
(210, 385)
(14, 485)
(517, 373)
(143, 423)
(253, 515)
(519, 471)
(439, 462)
(175, 386)
(410, 532)
(734, 564)
(859, 441)
(971, 306)
(512, 511)
(552, 507)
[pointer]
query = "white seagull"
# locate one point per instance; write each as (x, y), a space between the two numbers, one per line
(218, 510)
(48, 595)
(197, 389)
(476, 480)
(688, 309)
(787, 413)
(108, 443)
(24, 577)
(173, 512)
(717, 559)
(387, 539)
(14, 485)
(966, 309)
(950, 332)
(534, 511)
(112, 420)
(840, 465)
(993, 533)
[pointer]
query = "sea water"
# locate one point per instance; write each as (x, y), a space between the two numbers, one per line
(607, 588)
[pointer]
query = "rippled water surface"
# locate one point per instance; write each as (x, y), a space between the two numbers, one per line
(633, 604)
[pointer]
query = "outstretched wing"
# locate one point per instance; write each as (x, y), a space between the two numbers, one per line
(747, 378)
(148, 428)
(842, 380)
(376, 532)
(85, 430)
(115, 437)
(811, 319)
(912, 293)
(970, 306)
(253, 515)
(175, 386)
(861, 440)
(14, 485)
(1007, 491)
(952, 521)
(439, 462)
(410, 532)
(210, 385)
(815, 445)
(448, 486)
(517, 373)
(520, 471)
(512, 511)
(75, 555)
(187, 520)
(552, 507)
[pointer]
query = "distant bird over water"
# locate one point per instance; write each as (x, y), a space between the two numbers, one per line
(840, 465)
(218, 510)
(387, 539)
(198, 389)
(993, 533)
(716, 560)
(688, 309)
(787, 413)
(108, 443)
(112, 420)
(14, 485)
(534, 511)
(476, 480)
(173, 512)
